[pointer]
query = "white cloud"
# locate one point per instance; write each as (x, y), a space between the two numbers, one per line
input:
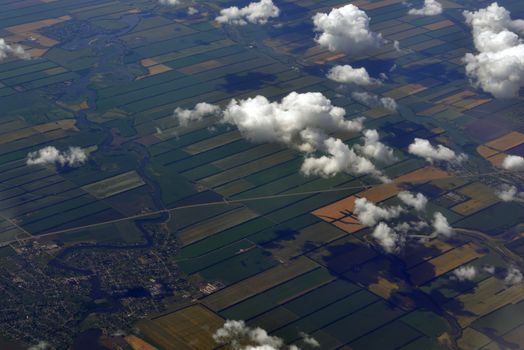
(169, 2)
(309, 340)
(256, 12)
(417, 201)
(513, 276)
(41, 345)
(509, 193)
(424, 149)
(441, 226)
(498, 67)
(201, 110)
(299, 120)
(73, 157)
(465, 273)
(346, 29)
(372, 100)
(387, 238)
(430, 8)
(192, 11)
(369, 214)
(12, 50)
(241, 337)
(348, 75)
(375, 149)
(489, 269)
(340, 159)
(513, 163)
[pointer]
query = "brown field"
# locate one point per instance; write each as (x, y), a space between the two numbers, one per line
(19, 134)
(53, 71)
(201, 67)
(211, 226)
(380, 192)
(383, 287)
(336, 210)
(369, 5)
(485, 151)
(154, 70)
(259, 283)
(138, 344)
(497, 159)
(507, 141)
(213, 142)
(191, 328)
(348, 224)
(405, 90)
(439, 25)
(481, 196)
(472, 339)
(425, 174)
(148, 62)
(29, 27)
(444, 263)
(490, 295)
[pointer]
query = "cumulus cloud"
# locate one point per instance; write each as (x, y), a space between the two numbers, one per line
(498, 67)
(465, 273)
(169, 2)
(430, 8)
(192, 11)
(256, 13)
(372, 100)
(441, 225)
(369, 214)
(41, 345)
(375, 149)
(513, 276)
(424, 149)
(348, 75)
(417, 201)
(201, 110)
(73, 157)
(346, 29)
(387, 238)
(12, 50)
(241, 337)
(509, 193)
(513, 163)
(309, 340)
(340, 159)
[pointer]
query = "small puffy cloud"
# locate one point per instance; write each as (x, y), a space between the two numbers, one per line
(346, 29)
(375, 149)
(509, 193)
(424, 149)
(170, 2)
(241, 337)
(309, 340)
(372, 100)
(201, 110)
(340, 159)
(513, 163)
(465, 273)
(299, 120)
(73, 157)
(369, 214)
(256, 13)
(12, 50)
(430, 8)
(41, 345)
(513, 276)
(498, 67)
(348, 75)
(387, 237)
(417, 201)
(441, 225)
(192, 11)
